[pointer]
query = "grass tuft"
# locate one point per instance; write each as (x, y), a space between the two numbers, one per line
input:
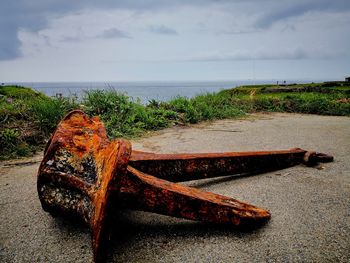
(27, 117)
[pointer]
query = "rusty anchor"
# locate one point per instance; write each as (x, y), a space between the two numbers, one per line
(84, 175)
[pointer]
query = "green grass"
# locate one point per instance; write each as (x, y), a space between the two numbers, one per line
(19, 92)
(204, 107)
(122, 116)
(47, 112)
(312, 98)
(327, 87)
(312, 103)
(27, 117)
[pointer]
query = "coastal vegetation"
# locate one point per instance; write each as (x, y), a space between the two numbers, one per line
(28, 117)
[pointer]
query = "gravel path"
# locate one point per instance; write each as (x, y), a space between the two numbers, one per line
(310, 206)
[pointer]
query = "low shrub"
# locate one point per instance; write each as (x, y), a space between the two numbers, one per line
(11, 144)
(47, 112)
(126, 117)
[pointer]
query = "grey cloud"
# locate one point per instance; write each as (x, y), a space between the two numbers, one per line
(238, 32)
(34, 15)
(286, 9)
(106, 34)
(9, 43)
(72, 39)
(270, 54)
(79, 36)
(114, 33)
(163, 30)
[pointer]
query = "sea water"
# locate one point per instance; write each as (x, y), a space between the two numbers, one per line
(145, 90)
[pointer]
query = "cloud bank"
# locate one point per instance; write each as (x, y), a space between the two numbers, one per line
(172, 39)
(35, 15)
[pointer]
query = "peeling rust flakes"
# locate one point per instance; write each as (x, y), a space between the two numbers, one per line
(84, 175)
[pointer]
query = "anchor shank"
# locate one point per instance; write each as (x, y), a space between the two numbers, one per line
(186, 167)
(140, 191)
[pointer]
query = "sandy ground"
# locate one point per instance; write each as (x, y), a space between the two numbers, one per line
(310, 207)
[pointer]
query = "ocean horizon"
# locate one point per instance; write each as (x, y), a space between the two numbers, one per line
(144, 90)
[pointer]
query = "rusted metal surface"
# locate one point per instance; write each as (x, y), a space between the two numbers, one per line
(186, 167)
(84, 175)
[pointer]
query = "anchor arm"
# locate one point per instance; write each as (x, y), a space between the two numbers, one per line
(186, 167)
(139, 191)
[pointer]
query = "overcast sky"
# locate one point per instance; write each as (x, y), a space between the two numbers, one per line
(111, 40)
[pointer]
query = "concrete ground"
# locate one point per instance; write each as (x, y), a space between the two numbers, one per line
(310, 206)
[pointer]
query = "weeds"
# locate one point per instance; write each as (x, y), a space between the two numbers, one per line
(9, 138)
(311, 103)
(124, 117)
(27, 118)
(47, 112)
(205, 107)
(11, 144)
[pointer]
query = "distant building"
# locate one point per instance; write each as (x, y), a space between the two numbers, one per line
(347, 79)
